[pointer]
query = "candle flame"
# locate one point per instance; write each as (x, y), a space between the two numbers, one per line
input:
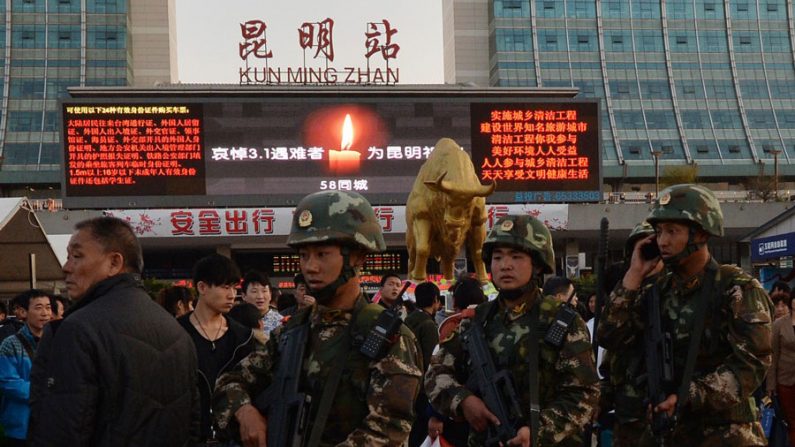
(347, 133)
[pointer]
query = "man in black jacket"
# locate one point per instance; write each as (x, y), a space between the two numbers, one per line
(117, 370)
(221, 342)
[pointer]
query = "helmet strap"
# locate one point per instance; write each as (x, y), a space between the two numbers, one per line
(689, 249)
(346, 274)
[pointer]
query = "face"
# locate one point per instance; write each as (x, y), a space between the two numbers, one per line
(563, 297)
(781, 309)
(592, 304)
(258, 295)
(57, 313)
(300, 291)
(220, 299)
(672, 238)
(87, 263)
(320, 264)
(510, 268)
(391, 288)
(39, 313)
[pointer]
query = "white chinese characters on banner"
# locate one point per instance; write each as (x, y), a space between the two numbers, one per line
(209, 222)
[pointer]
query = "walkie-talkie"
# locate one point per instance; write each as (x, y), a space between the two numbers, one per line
(556, 334)
(382, 335)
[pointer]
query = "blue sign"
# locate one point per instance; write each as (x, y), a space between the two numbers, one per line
(773, 247)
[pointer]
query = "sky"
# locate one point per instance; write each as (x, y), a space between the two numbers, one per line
(209, 34)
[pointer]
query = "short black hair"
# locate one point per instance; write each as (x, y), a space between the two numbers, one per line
(23, 299)
(557, 284)
(285, 302)
(781, 285)
(246, 314)
(467, 292)
(299, 279)
(255, 277)
(426, 294)
(170, 296)
(387, 275)
(116, 235)
(215, 270)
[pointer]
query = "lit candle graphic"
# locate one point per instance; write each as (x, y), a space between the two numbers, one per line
(344, 161)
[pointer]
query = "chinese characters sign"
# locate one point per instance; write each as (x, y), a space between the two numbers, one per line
(264, 221)
(316, 40)
(539, 148)
(133, 149)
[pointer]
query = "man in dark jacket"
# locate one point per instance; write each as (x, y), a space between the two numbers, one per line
(221, 342)
(117, 370)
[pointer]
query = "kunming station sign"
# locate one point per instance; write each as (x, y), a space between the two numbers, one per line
(316, 39)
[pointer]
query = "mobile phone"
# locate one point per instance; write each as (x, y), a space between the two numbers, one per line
(650, 251)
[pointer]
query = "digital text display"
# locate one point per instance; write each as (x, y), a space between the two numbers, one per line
(134, 150)
(538, 149)
(272, 151)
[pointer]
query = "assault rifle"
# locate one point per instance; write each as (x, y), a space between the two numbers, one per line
(495, 387)
(659, 365)
(286, 408)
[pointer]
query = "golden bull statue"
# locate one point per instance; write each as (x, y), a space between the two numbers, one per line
(446, 207)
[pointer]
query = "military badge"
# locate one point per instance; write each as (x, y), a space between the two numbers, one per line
(666, 199)
(305, 219)
(506, 225)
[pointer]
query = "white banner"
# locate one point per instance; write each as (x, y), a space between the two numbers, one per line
(209, 222)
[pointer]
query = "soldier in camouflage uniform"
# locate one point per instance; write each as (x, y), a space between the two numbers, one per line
(714, 407)
(519, 249)
(622, 389)
(373, 403)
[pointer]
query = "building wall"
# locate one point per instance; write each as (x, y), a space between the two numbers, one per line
(704, 82)
(47, 46)
(153, 36)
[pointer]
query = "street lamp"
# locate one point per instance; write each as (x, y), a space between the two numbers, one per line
(656, 155)
(775, 153)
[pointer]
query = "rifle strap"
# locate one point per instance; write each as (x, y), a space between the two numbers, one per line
(696, 332)
(331, 385)
(535, 407)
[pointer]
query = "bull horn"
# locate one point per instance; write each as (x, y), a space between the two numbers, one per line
(477, 191)
(440, 184)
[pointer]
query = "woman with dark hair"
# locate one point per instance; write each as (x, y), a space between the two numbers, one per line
(781, 375)
(780, 303)
(177, 300)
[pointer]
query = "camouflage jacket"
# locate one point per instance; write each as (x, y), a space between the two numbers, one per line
(374, 401)
(735, 349)
(568, 383)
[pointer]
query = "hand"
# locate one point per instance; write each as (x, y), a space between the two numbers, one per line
(668, 405)
(253, 426)
(522, 437)
(435, 427)
(477, 415)
(639, 268)
(308, 301)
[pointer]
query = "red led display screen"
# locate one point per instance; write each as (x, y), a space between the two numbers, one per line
(542, 151)
(133, 150)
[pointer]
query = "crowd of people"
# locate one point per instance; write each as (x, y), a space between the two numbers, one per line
(233, 361)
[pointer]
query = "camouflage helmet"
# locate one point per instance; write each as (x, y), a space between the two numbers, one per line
(691, 203)
(525, 233)
(640, 231)
(336, 217)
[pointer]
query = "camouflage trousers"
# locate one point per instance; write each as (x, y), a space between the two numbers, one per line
(631, 434)
(729, 435)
